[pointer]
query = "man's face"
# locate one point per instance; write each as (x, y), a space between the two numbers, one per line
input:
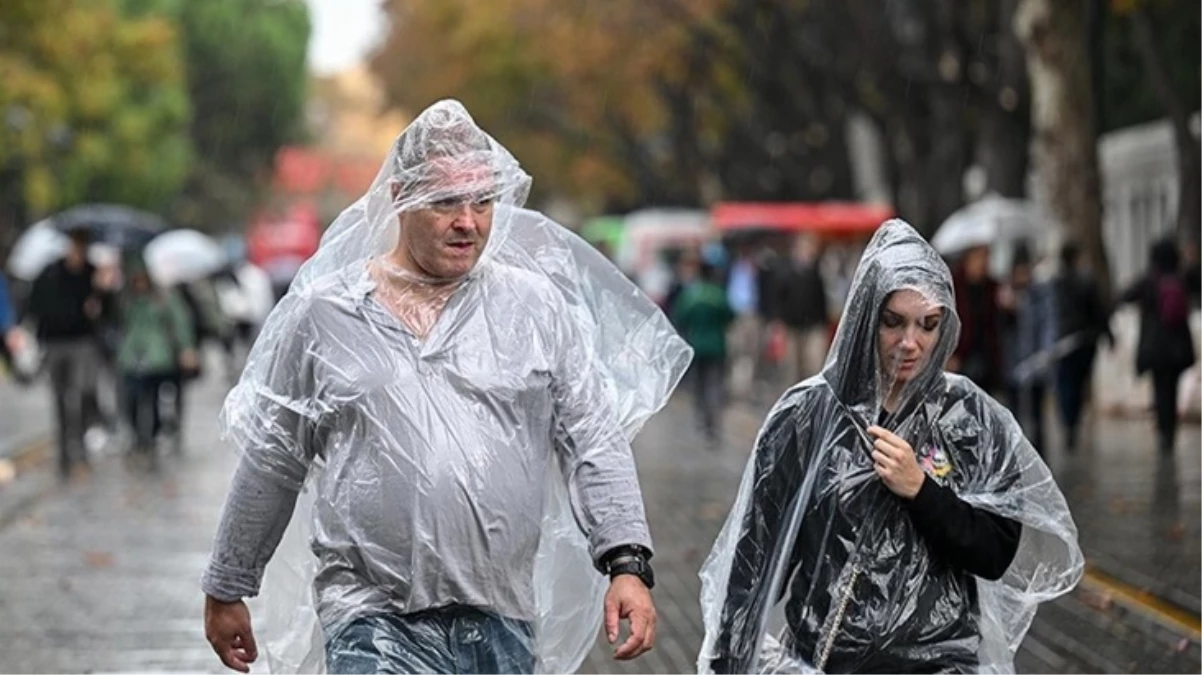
(976, 263)
(445, 236)
(77, 250)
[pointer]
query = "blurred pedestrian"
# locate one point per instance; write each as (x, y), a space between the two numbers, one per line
(442, 367)
(978, 354)
(1029, 335)
(157, 340)
(878, 525)
(1166, 348)
(12, 340)
(746, 332)
(800, 308)
(1082, 321)
(684, 273)
(65, 305)
(703, 315)
(1190, 396)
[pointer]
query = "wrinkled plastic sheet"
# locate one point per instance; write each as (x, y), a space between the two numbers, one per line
(539, 300)
(819, 568)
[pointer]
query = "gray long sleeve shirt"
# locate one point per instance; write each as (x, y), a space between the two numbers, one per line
(432, 455)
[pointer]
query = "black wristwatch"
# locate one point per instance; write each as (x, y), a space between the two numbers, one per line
(630, 560)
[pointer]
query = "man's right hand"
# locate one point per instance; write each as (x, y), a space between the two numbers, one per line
(227, 626)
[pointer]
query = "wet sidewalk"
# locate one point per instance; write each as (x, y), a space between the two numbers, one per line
(109, 566)
(25, 415)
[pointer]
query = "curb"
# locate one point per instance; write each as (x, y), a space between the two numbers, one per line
(23, 455)
(16, 494)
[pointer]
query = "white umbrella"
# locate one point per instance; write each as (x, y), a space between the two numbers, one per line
(992, 220)
(181, 256)
(43, 244)
(39, 246)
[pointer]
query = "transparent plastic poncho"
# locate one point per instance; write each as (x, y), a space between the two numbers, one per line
(819, 567)
(438, 374)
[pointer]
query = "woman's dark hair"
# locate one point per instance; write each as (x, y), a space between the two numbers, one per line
(1165, 257)
(1069, 254)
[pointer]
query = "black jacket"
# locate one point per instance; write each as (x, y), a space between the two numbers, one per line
(57, 302)
(1162, 347)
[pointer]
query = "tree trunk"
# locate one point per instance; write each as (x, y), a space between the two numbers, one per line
(1188, 148)
(1065, 151)
(1005, 133)
(1189, 204)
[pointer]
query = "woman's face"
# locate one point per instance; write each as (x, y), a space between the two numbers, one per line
(909, 328)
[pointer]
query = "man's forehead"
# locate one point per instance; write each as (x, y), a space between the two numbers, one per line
(468, 173)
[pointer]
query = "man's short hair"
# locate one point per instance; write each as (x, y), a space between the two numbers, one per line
(81, 235)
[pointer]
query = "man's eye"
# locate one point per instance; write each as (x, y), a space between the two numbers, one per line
(444, 203)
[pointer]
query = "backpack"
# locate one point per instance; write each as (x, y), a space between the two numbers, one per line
(1172, 305)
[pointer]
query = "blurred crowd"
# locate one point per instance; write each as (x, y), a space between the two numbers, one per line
(760, 317)
(119, 346)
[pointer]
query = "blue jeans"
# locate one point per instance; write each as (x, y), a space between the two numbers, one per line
(454, 639)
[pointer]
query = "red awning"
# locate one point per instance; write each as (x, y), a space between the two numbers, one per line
(294, 234)
(819, 217)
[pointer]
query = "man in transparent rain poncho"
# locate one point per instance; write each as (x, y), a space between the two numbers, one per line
(893, 518)
(450, 386)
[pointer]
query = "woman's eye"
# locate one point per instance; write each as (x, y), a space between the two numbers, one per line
(930, 325)
(892, 321)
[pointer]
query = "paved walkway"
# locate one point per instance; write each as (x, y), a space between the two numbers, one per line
(108, 566)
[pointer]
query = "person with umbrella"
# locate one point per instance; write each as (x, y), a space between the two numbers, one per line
(65, 305)
(157, 339)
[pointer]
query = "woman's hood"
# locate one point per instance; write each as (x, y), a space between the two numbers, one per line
(897, 258)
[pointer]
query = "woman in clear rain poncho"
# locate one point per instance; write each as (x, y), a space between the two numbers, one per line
(447, 394)
(849, 551)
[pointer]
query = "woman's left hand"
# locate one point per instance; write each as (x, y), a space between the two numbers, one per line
(896, 463)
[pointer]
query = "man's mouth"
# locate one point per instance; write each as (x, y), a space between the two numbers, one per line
(461, 245)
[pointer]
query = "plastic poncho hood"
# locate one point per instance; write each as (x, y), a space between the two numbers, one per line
(339, 398)
(819, 567)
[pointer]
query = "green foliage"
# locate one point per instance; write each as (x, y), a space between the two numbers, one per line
(93, 105)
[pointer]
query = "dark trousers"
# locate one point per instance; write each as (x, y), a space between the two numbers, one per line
(454, 639)
(1164, 402)
(71, 365)
(142, 406)
(709, 382)
(1026, 402)
(1072, 378)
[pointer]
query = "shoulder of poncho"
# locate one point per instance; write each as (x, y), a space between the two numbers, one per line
(334, 291)
(802, 397)
(525, 285)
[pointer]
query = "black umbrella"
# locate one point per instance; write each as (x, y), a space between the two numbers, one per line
(112, 224)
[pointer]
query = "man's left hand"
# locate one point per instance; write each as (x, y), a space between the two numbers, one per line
(628, 598)
(895, 463)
